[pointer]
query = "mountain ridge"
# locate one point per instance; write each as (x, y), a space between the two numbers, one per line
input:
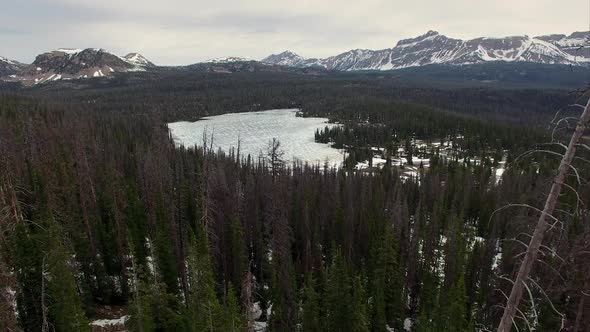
(429, 48)
(70, 63)
(435, 48)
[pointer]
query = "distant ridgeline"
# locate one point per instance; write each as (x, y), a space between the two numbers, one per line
(528, 59)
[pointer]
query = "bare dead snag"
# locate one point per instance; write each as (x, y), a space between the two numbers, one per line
(542, 225)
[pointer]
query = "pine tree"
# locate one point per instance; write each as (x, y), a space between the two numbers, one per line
(453, 304)
(387, 284)
(359, 319)
(143, 303)
(456, 319)
(205, 311)
(238, 251)
(66, 309)
(164, 251)
(234, 320)
(310, 314)
(338, 295)
(28, 259)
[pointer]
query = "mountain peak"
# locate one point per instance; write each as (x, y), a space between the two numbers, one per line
(228, 59)
(9, 67)
(73, 51)
(285, 58)
(431, 34)
(72, 63)
(434, 48)
(138, 60)
(288, 52)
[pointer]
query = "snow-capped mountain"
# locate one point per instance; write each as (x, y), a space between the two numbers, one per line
(9, 67)
(138, 60)
(434, 48)
(228, 59)
(576, 44)
(286, 58)
(66, 63)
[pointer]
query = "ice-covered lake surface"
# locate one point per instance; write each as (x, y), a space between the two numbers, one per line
(255, 130)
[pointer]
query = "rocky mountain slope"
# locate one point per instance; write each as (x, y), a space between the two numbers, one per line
(138, 60)
(9, 67)
(64, 64)
(435, 48)
(428, 49)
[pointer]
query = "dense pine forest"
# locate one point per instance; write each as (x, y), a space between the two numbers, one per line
(100, 210)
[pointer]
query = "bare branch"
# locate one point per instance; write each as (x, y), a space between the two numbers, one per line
(519, 205)
(546, 297)
(576, 105)
(534, 245)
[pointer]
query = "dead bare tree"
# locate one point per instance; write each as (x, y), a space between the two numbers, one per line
(44, 310)
(536, 240)
(275, 156)
(247, 286)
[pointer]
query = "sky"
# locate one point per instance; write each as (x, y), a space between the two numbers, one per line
(176, 32)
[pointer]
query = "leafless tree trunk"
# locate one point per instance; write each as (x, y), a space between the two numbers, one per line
(10, 216)
(580, 313)
(275, 156)
(247, 286)
(45, 324)
(542, 225)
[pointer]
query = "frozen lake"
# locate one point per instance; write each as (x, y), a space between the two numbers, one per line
(256, 129)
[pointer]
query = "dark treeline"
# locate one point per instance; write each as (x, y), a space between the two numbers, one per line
(187, 95)
(99, 208)
(375, 124)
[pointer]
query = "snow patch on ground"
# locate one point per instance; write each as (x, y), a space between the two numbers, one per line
(408, 324)
(109, 322)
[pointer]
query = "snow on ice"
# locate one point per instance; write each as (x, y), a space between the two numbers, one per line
(254, 130)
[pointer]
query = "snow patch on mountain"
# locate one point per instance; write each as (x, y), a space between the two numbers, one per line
(8, 61)
(286, 58)
(435, 48)
(138, 60)
(228, 59)
(70, 51)
(70, 63)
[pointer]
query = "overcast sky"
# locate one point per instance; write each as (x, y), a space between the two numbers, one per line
(171, 32)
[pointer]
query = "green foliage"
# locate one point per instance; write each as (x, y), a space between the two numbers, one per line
(94, 185)
(238, 252)
(204, 309)
(141, 309)
(339, 305)
(65, 304)
(311, 320)
(359, 320)
(234, 320)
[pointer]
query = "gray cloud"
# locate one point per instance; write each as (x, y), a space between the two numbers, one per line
(187, 31)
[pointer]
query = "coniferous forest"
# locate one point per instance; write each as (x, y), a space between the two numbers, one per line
(99, 210)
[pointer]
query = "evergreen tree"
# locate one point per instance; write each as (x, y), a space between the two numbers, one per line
(338, 295)
(359, 319)
(456, 319)
(164, 250)
(205, 311)
(234, 320)
(66, 306)
(387, 284)
(238, 252)
(310, 313)
(143, 304)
